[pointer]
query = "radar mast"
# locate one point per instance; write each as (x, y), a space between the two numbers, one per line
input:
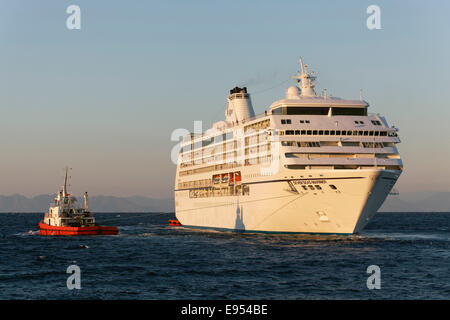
(305, 80)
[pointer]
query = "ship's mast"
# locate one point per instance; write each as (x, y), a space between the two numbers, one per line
(65, 183)
(305, 80)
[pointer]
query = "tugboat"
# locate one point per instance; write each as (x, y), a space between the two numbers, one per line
(64, 218)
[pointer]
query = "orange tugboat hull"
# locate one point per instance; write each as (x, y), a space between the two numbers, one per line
(46, 230)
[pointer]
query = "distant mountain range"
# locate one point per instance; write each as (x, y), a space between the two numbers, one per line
(20, 203)
(425, 201)
(420, 201)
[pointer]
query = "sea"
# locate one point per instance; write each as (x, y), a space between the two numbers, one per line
(397, 256)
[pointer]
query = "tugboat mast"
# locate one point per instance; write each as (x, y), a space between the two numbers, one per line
(65, 183)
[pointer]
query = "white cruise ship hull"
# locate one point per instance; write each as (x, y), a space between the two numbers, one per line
(277, 205)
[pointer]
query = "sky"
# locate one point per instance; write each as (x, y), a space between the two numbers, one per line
(105, 99)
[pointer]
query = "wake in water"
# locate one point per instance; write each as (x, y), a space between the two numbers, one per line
(408, 236)
(29, 233)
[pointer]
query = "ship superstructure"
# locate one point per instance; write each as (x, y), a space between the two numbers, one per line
(308, 164)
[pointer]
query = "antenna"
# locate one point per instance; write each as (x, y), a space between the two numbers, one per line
(305, 80)
(65, 181)
(301, 65)
(360, 95)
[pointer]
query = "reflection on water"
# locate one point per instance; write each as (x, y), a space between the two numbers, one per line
(239, 224)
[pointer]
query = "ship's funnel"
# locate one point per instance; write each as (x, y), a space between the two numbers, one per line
(239, 105)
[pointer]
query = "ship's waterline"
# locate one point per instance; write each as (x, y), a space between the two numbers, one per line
(310, 164)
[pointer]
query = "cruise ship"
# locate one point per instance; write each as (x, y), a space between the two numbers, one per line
(309, 164)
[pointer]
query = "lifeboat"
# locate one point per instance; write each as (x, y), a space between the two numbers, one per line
(216, 179)
(225, 178)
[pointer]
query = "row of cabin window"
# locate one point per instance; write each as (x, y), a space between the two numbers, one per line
(374, 122)
(288, 121)
(373, 145)
(258, 125)
(259, 138)
(208, 141)
(237, 190)
(196, 183)
(316, 144)
(304, 144)
(317, 187)
(340, 167)
(340, 133)
(335, 111)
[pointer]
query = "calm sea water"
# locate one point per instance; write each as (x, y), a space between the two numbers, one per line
(150, 260)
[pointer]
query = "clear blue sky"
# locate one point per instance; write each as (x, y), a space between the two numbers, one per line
(105, 99)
